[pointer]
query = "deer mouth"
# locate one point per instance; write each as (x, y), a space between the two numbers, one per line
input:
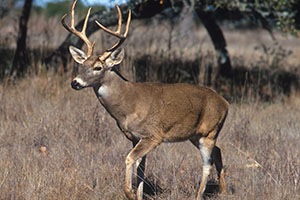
(78, 84)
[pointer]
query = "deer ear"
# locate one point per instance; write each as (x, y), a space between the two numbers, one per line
(115, 58)
(78, 55)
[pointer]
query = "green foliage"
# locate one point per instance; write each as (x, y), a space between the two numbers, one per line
(97, 8)
(59, 8)
(280, 12)
(38, 10)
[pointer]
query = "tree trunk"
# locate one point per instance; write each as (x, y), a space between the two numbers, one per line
(218, 40)
(21, 60)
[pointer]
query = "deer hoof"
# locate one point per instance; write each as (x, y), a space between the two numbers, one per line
(130, 194)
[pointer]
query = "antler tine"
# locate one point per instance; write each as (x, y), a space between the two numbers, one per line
(128, 23)
(117, 33)
(82, 34)
(120, 19)
(124, 36)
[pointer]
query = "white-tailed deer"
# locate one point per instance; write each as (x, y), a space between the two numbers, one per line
(151, 113)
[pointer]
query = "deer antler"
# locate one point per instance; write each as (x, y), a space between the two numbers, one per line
(81, 34)
(117, 33)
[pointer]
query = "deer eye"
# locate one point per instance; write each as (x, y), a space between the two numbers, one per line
(97, 68)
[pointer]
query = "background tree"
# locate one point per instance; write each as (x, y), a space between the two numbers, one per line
(5, 6)
(20, 61)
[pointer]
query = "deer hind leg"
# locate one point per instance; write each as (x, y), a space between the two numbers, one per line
(205, 145)
(210, 154)
(143, 147)
(217, 160)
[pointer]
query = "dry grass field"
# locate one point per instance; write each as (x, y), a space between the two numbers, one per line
(58, 143)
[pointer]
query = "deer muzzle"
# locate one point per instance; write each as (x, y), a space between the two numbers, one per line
(77, 85)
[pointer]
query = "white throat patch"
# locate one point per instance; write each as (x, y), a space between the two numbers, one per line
(103, 91)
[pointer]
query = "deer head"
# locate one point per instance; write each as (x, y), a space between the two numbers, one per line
(95, 67)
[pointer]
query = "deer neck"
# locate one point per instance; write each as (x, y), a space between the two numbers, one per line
(112, 93)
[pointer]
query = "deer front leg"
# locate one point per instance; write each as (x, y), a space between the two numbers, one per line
(143, 147)
(140, 166)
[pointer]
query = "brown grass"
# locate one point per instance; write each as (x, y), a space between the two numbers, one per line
(85, 151)
(57, 143)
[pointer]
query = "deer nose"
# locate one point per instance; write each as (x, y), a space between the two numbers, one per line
(75, 85)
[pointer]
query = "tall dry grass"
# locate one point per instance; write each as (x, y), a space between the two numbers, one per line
(57, 143)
